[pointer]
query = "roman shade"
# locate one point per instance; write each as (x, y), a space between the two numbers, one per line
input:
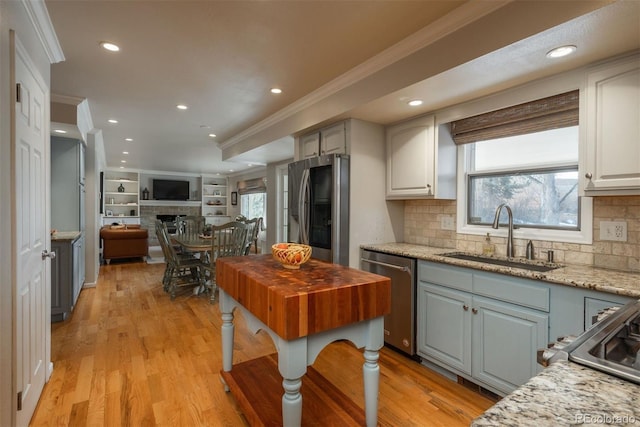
(249, 186)
(543, 114)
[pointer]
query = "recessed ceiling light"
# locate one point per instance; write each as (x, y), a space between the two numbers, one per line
(121, 167)
(415, 102)
(249, 165)
(110, 46)
(561, 51)
(59, 131)
(230, 170)
(181, 107)
(125, 152)
(128, 139)
(123, 161)
(276, 90)
(212, 135)
(112, 121)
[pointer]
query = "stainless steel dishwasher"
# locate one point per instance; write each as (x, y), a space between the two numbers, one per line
(399, 325)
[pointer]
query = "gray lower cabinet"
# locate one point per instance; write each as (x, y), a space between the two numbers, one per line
(67, 276)
(481, 326)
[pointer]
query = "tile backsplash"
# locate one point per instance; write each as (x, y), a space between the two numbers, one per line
(423, 226)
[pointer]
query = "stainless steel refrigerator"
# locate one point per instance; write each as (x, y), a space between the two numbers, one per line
(319, 206)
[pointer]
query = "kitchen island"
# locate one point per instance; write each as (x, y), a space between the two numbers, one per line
(303, 311)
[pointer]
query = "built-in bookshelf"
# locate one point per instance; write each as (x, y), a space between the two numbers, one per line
(215, 199)
(121, 196)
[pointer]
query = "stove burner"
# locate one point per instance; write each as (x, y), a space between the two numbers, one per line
(612, 345)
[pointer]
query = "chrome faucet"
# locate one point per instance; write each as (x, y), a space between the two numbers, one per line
(510, 232)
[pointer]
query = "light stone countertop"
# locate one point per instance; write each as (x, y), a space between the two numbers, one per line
(580, 276)
(65, 235)
(565, 394)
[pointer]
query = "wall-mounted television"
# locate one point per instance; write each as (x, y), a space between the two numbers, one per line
(167, 189)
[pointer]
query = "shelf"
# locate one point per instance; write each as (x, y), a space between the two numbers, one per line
(170, 203)
(121, 180)
(118, 193)
(322, 402)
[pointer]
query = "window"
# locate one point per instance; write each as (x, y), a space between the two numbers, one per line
(254, 205)
(527, 157)
(535, 174)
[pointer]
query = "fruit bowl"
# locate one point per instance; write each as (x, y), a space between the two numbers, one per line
(291, 255)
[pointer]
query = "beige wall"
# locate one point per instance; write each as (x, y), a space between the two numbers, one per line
(422, 226)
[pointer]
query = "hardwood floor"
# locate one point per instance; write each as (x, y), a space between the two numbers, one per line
(129, 356)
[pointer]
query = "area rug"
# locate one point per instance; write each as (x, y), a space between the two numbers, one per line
(155, 255)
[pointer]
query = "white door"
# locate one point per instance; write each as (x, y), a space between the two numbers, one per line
(32, 315)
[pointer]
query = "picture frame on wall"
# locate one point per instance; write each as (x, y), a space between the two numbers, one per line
(234, 198)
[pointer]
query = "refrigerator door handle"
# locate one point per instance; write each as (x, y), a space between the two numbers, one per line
(303, 207)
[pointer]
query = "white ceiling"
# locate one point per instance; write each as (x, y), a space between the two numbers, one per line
(333, 59)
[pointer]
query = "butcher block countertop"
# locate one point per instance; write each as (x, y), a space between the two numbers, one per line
(296, 303)
(580, 276)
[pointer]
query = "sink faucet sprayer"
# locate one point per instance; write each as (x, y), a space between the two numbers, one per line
(510, 231)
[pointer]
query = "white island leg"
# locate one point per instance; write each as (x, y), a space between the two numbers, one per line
(292, 364)
(371, 370)
(226, 307)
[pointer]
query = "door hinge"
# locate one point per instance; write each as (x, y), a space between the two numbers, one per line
(19, 401)
(18, 93)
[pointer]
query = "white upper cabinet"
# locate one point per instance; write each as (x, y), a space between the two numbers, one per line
(333, 140)
(330, 140)
(310, 145)
(421, 160)
(612, 121)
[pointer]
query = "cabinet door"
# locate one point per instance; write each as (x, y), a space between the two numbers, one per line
(78, 268)
(410, 158)
(506, 338)
(444, 326)
(310, 145)
(592, 307)
(613, 109)
(333, 140)
(61, 280)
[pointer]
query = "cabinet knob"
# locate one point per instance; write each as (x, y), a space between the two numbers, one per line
(47, 254)
(474, 310)
(465, 307)
(588, 175)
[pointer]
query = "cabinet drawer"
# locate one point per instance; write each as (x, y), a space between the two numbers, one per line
(512, 290)
(445, 275)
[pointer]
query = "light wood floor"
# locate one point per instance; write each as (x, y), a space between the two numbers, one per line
(129, 356)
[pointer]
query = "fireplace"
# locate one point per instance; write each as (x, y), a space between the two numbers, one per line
(170, 221)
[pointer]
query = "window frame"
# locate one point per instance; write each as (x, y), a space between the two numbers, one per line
(566, 167)
(582, 236)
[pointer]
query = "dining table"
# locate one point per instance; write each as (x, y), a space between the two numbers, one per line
(193, 243)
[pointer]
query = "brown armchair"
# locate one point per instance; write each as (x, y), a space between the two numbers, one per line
(128, 241)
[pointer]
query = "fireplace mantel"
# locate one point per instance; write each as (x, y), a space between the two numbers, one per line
(170, 203)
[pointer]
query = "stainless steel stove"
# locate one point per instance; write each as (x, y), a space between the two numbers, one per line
(611, 345)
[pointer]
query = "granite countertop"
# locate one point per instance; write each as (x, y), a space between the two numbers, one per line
(580, 276)
(60, 236)
(566, 393)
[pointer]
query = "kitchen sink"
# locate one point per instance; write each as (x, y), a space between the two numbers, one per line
(506, 262)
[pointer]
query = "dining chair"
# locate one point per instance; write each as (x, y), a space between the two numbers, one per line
(190, 225)
(182, 269)
(226, 240)
(254, 226)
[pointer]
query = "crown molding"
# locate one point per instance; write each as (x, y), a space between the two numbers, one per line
(444, 26)
(39, 17)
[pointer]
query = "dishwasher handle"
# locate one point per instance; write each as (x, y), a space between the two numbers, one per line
(385, 264)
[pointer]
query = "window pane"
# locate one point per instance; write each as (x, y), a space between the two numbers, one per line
(538, 199)
(538, 148)
(254, 205)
